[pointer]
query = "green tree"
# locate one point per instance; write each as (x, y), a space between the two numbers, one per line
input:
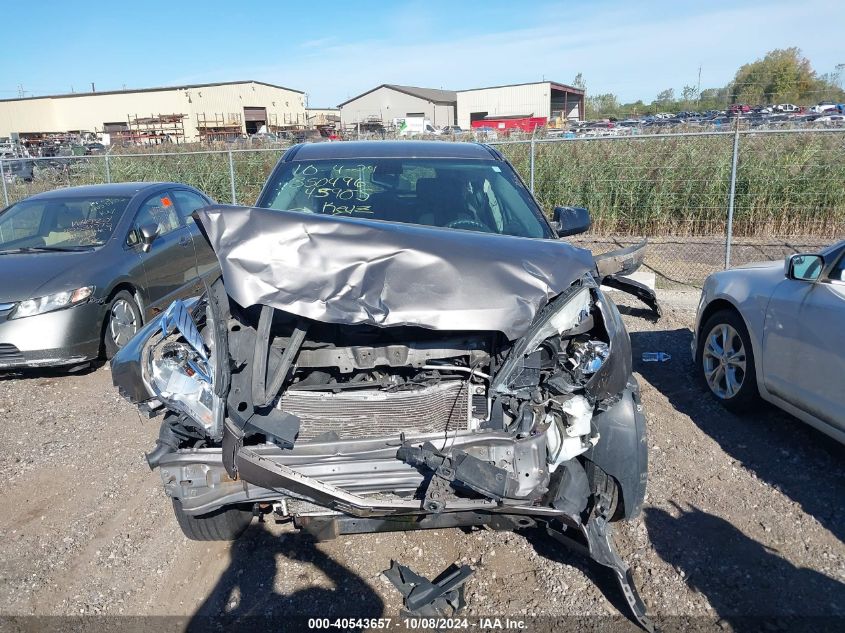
(602, 106)
(689, 93)
(579, 82)
(783, 75)
(665, 97)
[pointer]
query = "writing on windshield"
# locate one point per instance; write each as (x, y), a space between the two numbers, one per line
(60, 222)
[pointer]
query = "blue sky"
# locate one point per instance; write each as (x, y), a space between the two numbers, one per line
(335, 50)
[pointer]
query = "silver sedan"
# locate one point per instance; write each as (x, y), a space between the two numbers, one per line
(776, 331)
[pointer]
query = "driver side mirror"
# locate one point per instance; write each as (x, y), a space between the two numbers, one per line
(571, 220)
(803, 267)
(147, 234)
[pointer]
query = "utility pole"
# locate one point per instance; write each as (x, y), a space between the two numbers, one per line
(699, 82)
(92, 87)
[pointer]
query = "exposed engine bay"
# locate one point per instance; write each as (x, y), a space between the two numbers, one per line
(350, 426)
(325, 421)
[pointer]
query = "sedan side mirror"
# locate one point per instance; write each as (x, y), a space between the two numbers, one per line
(147, 234)
(571, 220)
(803, 267)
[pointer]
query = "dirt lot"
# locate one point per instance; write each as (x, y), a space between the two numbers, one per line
(744, 517)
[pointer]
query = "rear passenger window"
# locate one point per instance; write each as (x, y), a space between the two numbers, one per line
(159, 210)
(187, 202)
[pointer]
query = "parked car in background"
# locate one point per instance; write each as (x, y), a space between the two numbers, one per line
(84, 268)
(775, 330)
(824, 106)
(264, 137)
(415, 125)
(95, 148)
(16, 167)
(830, 118)
(310, 136)
(453, 129)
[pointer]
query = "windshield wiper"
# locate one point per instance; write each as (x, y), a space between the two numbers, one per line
(48, 249)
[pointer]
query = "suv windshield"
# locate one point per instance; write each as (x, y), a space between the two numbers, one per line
(60, 223)
(474, 195)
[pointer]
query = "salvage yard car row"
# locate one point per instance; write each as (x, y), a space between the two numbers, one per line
(399, 339)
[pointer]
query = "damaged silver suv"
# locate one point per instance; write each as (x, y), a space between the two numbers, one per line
(399, 341)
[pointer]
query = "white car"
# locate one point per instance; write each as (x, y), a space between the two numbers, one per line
(823, 107)
(775, 331)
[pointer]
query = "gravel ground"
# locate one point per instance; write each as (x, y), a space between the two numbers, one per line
(744, 518)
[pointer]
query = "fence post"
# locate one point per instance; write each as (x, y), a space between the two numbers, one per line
(232, 177)
(731, 199)
(108, 170)
(3, 179)
(531, 181)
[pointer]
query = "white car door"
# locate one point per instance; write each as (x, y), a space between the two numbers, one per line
(804, 343)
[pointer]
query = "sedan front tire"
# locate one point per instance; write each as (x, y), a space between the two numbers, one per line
(726, 361)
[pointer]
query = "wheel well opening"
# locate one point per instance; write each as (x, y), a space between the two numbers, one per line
(131, 290)
(718, 305)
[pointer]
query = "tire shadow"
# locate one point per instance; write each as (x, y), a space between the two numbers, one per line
(748, 584)
(245, 598)
(779, 449)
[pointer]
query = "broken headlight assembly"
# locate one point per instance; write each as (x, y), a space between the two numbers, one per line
(179, 364)
(565, 369)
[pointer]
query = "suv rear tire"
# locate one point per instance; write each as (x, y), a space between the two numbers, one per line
(225, 524)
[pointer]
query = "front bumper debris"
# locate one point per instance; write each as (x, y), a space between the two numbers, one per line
(597, 534)
(443, 597)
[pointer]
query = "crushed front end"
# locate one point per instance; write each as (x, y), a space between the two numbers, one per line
(359, 376)
(400, 428)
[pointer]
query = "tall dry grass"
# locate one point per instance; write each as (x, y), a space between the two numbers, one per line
(787, 184)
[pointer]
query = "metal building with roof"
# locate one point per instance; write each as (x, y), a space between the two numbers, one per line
(387, 102)
(184, 113)
(554, 101)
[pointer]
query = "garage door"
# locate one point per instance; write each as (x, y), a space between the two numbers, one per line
(255, 114)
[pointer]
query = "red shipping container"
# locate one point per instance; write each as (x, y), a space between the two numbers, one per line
(503, 124)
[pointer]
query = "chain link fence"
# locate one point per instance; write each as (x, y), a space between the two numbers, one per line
(704, 200)
(230, 176)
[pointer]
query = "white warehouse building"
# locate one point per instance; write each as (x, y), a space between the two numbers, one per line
(387, 102)
(555, 101)
(176, 114)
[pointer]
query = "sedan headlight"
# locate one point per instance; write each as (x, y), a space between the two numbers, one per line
(179, 364)
(48, 303)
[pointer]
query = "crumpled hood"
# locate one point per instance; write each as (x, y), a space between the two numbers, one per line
(353, 271)
(29, 275)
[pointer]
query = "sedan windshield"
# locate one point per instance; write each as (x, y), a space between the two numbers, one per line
(59, 223)
(473, 195)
